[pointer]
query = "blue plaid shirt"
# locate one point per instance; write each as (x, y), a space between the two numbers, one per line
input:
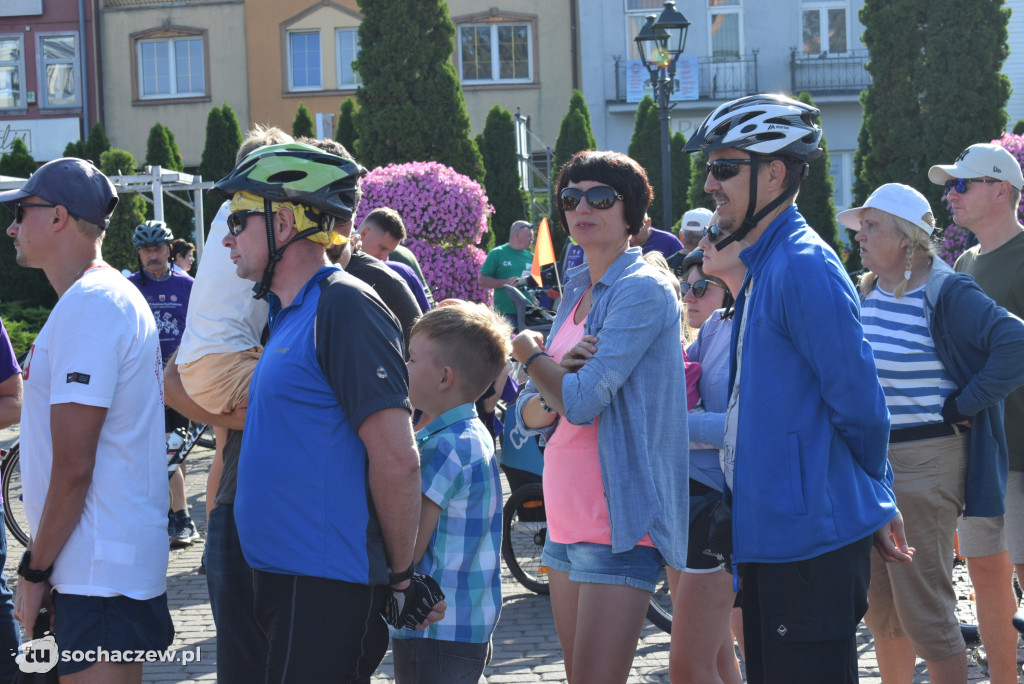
(460, 474)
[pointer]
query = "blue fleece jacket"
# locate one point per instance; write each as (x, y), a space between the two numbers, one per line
(981, 346)
(811, 473)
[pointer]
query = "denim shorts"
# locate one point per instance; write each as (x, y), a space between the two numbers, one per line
(595, 563)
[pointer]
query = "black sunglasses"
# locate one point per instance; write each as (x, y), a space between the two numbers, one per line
(960, 184)
(699, 287)
(713, 233)
(237, 220)
(598, 197)
(19, 209)
(724, 169)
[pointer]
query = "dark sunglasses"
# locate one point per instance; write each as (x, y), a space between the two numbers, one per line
(237, 220)
(598, 197)
(699, 287)
(960, 184)
(713, 233)
(724, 169)
(19, 209)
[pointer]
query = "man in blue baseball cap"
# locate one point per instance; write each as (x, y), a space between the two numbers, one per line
(92, 418)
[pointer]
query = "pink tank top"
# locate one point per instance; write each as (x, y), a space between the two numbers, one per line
(573, 489)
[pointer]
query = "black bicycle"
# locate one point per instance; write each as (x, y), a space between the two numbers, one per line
(179, 444)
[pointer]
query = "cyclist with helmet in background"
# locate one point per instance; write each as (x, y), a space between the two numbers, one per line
(807, 427)
(167, 292)
(329, 418)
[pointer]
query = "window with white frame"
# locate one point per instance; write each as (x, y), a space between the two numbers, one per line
(59, 70)
(347, 49)
(725, 17)
(637, 12)
(495, 53)
(171, 67)
(304, 66)
(12, 73)
(824, 28)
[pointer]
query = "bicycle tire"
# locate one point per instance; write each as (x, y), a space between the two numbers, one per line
(659, 610)
(206, 439)
(521, 546)
(14, 508)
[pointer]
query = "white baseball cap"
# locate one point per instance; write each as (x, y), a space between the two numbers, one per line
(896, 199)
(695, 220)
(984, 160)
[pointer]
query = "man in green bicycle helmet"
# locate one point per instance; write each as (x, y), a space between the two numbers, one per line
(328, 443)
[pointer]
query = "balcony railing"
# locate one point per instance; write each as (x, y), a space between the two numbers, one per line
(827, 73)
(718, 79)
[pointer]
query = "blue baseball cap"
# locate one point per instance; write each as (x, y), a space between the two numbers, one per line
(72, 183)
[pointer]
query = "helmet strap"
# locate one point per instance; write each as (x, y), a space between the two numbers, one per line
(273, 253)
(751, 220)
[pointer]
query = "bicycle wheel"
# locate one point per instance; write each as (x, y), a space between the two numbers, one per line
(207, 440)
(14, 507)
(659, 610)
(524, 531)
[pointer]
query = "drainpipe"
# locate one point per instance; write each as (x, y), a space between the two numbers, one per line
(574, 29)
(83, 71)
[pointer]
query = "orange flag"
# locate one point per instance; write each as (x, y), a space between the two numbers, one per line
(543, 252)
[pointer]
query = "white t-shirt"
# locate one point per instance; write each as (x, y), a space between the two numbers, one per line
(222, 315)
(100, 347)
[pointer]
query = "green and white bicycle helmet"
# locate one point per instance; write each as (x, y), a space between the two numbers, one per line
(322, 184)
(152, 234)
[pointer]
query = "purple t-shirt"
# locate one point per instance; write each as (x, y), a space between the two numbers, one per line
(413, 281)
(8, 364)
(168, 299)
(662, 241)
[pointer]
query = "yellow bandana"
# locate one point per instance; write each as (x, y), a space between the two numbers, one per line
(246, 201)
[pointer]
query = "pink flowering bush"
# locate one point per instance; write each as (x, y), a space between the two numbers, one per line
(954, 238)
(445, 214)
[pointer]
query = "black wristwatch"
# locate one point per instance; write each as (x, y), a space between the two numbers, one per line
(31, 575)
(398, 578)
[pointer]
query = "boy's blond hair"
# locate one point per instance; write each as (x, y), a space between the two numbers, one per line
(470, 338)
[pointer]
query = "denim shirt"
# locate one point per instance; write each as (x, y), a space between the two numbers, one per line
(980, 345)
(635, 383)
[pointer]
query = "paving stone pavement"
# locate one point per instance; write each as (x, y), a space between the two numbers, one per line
(525, 644)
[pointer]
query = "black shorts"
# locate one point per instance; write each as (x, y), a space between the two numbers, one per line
(114, 623)
(700, 558)
(173, 419)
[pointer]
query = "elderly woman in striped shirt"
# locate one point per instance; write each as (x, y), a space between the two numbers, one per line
(947, 355)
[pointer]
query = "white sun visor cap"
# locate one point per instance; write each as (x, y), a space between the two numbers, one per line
(898, 200)
(984, 160)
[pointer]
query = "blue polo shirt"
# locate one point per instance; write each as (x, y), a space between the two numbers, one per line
(334, 357)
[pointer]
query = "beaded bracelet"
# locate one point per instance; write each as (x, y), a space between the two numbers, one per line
(547, 409)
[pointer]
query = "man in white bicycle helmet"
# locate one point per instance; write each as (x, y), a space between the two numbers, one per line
(806, 425)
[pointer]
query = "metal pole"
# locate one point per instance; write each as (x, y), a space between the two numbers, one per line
(666, 154)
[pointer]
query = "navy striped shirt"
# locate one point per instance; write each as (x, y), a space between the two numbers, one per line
(912, 376)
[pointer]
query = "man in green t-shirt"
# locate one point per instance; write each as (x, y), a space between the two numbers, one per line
(983, 188)
(506, 264)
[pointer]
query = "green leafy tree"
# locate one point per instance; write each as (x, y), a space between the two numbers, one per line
(699, 176)
(645, 148)
(914, 116)
(17, 283)
(92, 148)
(498, 145)
(680, 181)
(75, 148)
(574, 135)
(815, 200)
(861, 192)
(302, 125)
(346, 133)
(223, 138)
(1018, 128)
(130, 212)
(407, 74)
(161, 150)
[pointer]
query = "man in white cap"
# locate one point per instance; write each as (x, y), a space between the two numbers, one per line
(694, 222)
(983, 188)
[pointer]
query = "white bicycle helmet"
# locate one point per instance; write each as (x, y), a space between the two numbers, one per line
(763, 124)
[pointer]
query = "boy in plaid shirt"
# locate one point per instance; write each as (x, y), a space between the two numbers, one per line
(454, 354)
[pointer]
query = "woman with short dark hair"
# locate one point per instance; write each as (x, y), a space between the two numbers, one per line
(608, 392)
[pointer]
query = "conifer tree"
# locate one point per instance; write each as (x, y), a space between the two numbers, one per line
(223, 138)
(407, 77)
(645, 148)
(302, 125)
(815, 200)
(118, 250)
(346, 133)
(498, 146)
(97, 143)
(699, 176)
(574, 135)
(161, 150)
(28, 285)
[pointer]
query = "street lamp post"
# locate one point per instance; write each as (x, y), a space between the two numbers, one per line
(660, 43)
